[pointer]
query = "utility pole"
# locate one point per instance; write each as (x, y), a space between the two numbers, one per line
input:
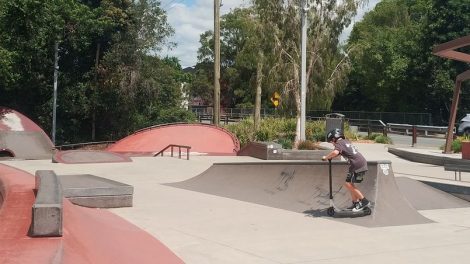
(54, 103)
(303, 78)
(216, 114)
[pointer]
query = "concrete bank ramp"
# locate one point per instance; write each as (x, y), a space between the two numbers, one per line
(21, 137)
(303, 187)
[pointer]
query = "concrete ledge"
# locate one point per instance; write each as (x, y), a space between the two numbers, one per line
(426, 158)
(114, 201)
(96, 192)
(459, 190)
(47, 209)
(418, 157)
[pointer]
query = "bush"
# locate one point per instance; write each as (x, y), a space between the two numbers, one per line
(456, 146)
(286, 143)
(282, 131)
(383, 139)
(373, 136)
(315, 130)
(307, 145)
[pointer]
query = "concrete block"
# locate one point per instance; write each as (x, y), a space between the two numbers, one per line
(47, 209)
(93, 191)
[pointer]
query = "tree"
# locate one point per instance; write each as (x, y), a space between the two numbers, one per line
(105, 74)
(327, 66)
(393, 64)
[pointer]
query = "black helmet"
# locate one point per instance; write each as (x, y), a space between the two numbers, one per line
(334, 134)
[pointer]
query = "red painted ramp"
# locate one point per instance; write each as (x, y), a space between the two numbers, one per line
(202, 138)
(22, 137)
(88, 156)
(89, 235)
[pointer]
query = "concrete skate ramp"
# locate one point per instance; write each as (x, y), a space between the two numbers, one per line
(202, 138)
(303, 187)
(88, 156)
(22, 137)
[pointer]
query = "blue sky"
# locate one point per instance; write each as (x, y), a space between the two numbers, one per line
(190, 18)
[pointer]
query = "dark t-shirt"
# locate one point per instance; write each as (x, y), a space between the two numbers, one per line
(357, 162)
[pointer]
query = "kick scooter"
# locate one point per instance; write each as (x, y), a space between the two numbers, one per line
(335, 211)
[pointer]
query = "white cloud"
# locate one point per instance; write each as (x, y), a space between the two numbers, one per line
(191, 18)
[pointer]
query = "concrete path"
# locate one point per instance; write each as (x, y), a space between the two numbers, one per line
(202, 228)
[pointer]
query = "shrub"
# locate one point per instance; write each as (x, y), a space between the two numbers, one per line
(286, 143)
(282, 130)
(383, 139)
(307, 145)
(373, 136)
(456, 146)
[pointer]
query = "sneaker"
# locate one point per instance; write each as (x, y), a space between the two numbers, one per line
(365, 202)
(359, 207)
(352, 206)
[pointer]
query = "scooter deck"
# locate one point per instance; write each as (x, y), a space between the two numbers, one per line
(348, 213)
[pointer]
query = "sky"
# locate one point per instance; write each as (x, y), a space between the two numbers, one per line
(191, 18)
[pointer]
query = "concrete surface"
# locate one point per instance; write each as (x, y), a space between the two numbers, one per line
(204, 228)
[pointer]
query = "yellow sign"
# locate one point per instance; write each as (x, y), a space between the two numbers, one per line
(275, 99)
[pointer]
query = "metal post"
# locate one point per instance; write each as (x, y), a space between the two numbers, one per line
(303, 78)
(452, 115)
(54, 103)
(216, 117)
(414, 136)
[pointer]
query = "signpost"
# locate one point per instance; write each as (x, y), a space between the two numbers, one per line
(276, 99)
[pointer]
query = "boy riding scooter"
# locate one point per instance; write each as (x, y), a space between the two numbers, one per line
(357, 167)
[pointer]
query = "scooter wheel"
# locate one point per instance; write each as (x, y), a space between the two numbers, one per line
(331, 211)
(367, 211)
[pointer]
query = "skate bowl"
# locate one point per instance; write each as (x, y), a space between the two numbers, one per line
(89, 235)
(303, 187)
(202, 138)
(21, 138)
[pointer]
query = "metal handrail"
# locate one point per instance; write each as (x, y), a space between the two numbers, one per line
(175, 146)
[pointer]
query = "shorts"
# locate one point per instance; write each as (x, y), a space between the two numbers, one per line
(355, 177)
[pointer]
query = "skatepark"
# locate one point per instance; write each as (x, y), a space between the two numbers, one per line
(240, 209)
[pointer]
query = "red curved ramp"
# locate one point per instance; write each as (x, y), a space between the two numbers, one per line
(89, 235)
(22, 137)
(202, 138)
(88, 156)
(304, 187)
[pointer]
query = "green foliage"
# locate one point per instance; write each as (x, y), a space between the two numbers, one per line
(379, 138)
(108, 84)
(307, 145)
(456, 146)
(373, 136)
(383, 139)
(281, 130)
(243, 130)
(315, 130)
(393, 63)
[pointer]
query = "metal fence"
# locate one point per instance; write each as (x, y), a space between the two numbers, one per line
(386, 117)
